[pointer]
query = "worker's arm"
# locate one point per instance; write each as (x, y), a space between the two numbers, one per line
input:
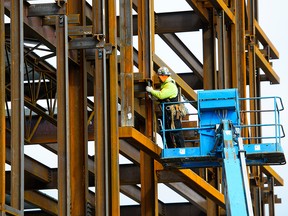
(169, 90)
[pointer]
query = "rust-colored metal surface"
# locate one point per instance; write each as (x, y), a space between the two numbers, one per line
(2, 112)
(72, 81)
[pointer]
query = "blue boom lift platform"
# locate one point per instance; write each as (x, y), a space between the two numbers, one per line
(220, 144)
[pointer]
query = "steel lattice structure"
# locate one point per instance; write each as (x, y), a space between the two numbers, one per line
(64, 108)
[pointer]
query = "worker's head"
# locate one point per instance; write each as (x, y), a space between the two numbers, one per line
(163, 73)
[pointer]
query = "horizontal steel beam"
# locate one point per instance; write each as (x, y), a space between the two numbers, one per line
(143, 143)
(170, 209)
(265, 41)
(264, 64)
(220, 5)
(269, 171)
(41, 10)
(184, 54)
(200, 185)
(199, 7)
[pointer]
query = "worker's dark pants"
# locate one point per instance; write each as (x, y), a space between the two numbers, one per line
(172, 136)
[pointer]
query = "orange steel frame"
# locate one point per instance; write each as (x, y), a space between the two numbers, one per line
(91, 80)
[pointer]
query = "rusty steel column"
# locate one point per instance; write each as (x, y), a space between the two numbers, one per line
(252, 65)
(126, 64)
(17, 104)
(241, 58)
(235, 57)
(240, 50)
(63, 135)
(113, 137)
(78, 122)
(222, 72)
(2, 111)
(212, 208)
(145, 37)
(209, 58)
(101, 110)
(255, 170)
(149, 198)
(145, 52)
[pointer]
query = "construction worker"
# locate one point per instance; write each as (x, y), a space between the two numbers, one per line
(168, 92)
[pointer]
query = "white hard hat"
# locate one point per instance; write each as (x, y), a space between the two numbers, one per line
(163, 71)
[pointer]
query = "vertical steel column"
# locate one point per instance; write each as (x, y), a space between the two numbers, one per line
(241, 58)
(149, 199)
(17, 104)
(78, 122)
(209, 58)
(271, 196)
(102, 186)
(2, 111)
(145, 36)
(252, 65)
(221, 51)
(126, 64)
(145, 50)
(212, 208)
(111, 38)
(253, 93)
(63, 135)
(240, 49)
(235, 57)
(258, 77)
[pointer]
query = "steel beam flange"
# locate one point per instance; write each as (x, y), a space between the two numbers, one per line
(91, 43)
(48, 9)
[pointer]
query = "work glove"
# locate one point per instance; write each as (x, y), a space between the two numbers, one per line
(149, 88)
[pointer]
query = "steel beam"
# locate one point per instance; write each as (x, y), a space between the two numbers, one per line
(189, 194)
(199, 7)
(252, 65)
(47, 9)
(126, 65)
(269, 171)
(78, 122)
(271, 196)
(133, 142)
(149, 200)
(264, 64)
(173, 22)
(170, 209)
(221, 36)
(184, 53)
(265, 41)
(202, 186)
(146, 30)
(2, 111)
(209, 56)
(240, 49)
(141, 142)
(220, 5)
(43, 201)
(113, 112)
(149, 197)
(17, 104)
(34, 28)
(63, 133)
(100, 116)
